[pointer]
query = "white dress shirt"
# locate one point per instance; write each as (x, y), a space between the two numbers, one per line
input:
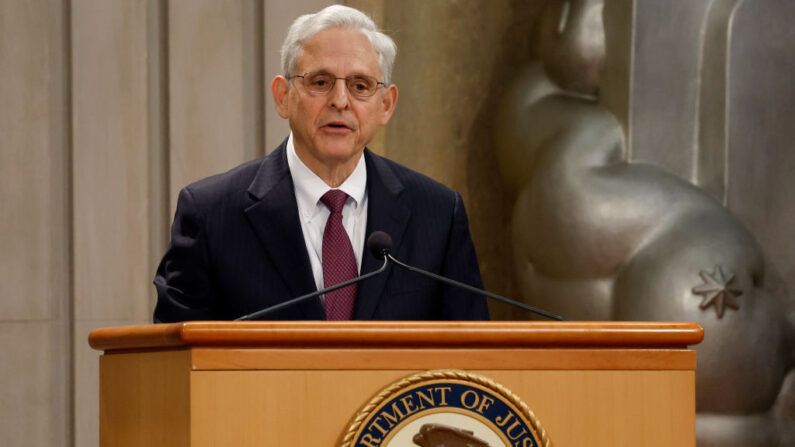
(309, 188)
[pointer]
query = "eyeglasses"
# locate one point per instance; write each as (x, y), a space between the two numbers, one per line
(320, 82)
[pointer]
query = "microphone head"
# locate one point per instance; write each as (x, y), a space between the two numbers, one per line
(379, 244)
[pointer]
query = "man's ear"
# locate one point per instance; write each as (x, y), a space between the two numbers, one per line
(280, 87)
(388, 103)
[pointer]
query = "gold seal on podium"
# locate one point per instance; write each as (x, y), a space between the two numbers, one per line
(447, 408)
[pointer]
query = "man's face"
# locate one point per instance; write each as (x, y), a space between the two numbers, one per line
(330, 130)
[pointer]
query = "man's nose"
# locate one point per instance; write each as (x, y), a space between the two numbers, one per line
(339, 94)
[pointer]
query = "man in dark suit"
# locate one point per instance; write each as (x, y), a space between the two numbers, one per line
(295, 221)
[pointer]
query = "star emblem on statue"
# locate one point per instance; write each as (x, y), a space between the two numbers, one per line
(717, 291)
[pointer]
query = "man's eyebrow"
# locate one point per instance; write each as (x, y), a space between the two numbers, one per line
(329, 72)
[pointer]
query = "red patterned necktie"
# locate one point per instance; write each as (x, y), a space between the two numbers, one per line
(339, 262)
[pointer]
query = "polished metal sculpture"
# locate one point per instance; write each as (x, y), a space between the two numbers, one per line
(598, 236)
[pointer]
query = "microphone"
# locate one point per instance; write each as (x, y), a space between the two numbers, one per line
(380, 244)
(377, 246)
(381, 248)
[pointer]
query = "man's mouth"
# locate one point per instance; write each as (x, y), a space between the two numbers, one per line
(337, 125)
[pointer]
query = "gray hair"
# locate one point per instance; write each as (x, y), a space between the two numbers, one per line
(337, 16)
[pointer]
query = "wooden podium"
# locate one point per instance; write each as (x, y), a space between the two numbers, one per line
(298, 384)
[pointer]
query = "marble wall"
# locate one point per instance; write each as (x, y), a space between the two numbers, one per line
(108, 109)
(36, 327)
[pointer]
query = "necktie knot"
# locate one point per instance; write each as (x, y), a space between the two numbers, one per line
(334, 200)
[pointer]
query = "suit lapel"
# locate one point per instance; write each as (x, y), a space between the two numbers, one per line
(388, 210)
(274, 217)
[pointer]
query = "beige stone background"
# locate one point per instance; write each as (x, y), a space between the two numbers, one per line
(108, 107)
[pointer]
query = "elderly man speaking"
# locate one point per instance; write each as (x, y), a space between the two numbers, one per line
(296, 221)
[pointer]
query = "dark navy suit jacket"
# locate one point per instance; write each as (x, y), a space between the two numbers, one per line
(237, 247)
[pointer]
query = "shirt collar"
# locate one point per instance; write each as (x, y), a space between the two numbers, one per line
(309, 188)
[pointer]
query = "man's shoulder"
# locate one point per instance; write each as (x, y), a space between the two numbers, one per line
(412, 181)
(218, 186)
(236, 187)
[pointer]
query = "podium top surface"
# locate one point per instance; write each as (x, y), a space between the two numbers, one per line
(399, 334)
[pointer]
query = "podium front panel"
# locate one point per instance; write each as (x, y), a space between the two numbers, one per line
(299, 384)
